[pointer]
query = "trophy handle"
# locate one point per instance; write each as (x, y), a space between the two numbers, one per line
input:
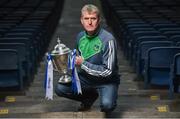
(55, 66)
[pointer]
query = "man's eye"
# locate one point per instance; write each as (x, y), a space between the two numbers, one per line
(90, 19)
(86, 18)
(93, 18)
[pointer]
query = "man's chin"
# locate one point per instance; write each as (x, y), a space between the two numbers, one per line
(91, 30)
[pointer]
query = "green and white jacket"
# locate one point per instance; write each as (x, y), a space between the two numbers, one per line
(99, 53)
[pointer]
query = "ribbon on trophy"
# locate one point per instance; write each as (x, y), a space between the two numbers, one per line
(49, 78)
(76, 86)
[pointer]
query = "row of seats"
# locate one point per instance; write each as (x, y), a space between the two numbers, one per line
(26, 27)
(149, 33)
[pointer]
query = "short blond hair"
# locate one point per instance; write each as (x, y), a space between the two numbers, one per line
(90, 8)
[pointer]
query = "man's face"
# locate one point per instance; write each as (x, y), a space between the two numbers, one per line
(90, 22)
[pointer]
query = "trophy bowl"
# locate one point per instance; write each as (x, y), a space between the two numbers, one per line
(60, 56)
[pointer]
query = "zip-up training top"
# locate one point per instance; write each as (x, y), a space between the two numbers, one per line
(100, 55)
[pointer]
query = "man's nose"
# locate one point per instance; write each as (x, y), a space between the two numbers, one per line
(90, 21)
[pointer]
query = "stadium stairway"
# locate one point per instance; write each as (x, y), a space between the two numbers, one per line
(133, 100)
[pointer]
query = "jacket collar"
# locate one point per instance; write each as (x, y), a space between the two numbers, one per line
(94, 35)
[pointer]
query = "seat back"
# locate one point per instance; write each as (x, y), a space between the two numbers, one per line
(177, 64)
(158, 64)
(10, 69)
(162, 57)
(20, 47)
(175, 38)
(142, 52)
(144, 46)
(23, 55)
(9, 59)
(26, 41)
(146, 39)
(174, 75)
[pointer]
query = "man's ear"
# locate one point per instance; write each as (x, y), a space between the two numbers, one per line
(99, 19)
(81, 19)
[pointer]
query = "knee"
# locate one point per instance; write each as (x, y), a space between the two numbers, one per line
(107, 106)
(59, 90)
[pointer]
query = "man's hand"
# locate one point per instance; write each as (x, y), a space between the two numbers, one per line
(79, 60)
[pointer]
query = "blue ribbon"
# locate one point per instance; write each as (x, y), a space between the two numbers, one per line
(48, 59)
(69, 61)
(74, 85)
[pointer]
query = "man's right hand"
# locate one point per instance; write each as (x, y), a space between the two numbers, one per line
(79, 60)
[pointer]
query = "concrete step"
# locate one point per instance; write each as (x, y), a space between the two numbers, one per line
(63, 105)
(93, 114)
(122, 92)
(72, 108)
(133, 101)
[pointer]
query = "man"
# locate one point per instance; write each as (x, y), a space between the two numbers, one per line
(97, 62)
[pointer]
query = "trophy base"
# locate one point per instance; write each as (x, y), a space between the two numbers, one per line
(65, 79)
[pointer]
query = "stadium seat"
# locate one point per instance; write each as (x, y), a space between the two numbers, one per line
(29, 46)
(133, 40)
(175, 39)
(143, 39)
(24, 59)
(175, 75)
(157, 65)
(142, 53)
(10, 69)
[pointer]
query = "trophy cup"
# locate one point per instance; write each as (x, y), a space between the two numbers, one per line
(60, 56)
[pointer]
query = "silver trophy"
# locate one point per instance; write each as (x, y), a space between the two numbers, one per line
(60, 56)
